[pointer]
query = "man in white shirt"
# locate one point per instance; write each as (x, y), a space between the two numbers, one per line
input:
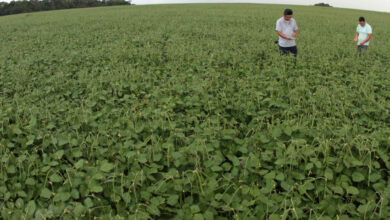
(363, 36)
(287, 29)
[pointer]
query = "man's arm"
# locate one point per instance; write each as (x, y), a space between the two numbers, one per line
(284, 36)
(295, 29)
(366, 40)
(296, 33)
(356, 37)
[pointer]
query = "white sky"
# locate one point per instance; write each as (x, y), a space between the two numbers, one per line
(373, 5)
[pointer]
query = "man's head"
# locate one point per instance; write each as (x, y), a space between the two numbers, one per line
(362, 21)
(288, 13)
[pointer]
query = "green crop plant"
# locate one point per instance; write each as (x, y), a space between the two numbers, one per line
(189, 112)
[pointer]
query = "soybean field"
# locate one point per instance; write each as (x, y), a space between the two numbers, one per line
(189, 112)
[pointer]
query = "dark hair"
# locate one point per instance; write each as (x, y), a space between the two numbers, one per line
(288, 12)
(362, 19)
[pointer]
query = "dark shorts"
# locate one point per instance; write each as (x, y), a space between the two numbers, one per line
(287, 50)
(362, 49)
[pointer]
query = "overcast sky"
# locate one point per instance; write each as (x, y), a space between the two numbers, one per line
(374, 5)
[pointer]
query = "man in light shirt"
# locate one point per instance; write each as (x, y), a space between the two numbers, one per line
(287, 29)
(363, 35)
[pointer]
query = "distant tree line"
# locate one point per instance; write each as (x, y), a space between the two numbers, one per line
(16, 7)
(323, 5)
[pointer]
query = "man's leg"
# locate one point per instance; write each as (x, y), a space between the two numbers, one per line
(294, 50)
(362, 49)
(283, 50)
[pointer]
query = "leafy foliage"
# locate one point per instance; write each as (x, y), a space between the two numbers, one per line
(188, 111)
(323, 5)
(25, 6)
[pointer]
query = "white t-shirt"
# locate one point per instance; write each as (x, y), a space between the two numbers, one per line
(363, 33)
(287, 28)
